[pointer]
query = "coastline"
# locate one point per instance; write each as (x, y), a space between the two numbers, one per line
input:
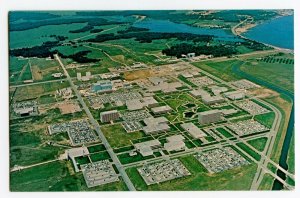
(238, 31)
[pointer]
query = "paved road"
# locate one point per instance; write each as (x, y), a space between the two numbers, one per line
(267, 152)
(37, 83)
(98, 130)
(18, 168)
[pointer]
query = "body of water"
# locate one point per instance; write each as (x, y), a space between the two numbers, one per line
(278, 32)
(170, 27)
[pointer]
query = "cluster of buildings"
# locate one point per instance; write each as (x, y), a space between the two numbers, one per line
(87, 77)
(218, 160)
(206, 97)
(65, 93)
(155, 125)
(26, 108)
(163, 171)
(79, 131)
(99, 173)
(116, 99)
(140, 103)
(247, 127)
(160, 84)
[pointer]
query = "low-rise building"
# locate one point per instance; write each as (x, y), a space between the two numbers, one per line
(193, 130)
(146, 148)
(212, 99)
(175, 143)
(235, 95)
(102, 86)
(161, 109)
(155, 125)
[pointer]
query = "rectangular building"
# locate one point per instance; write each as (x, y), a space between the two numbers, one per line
(102, 86)
(193, 130)
(235, 95)
(162, 109)
(155, 125)
(108, 116)
(175, 143)
(210, 116)
(212, 99)
(146, 148)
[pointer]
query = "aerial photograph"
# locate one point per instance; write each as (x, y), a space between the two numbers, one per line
(151, 100)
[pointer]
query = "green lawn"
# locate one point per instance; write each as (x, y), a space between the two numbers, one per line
(258, 143)
(222, 69)
(281, 75)
(99, 156)
(55, 176)
(266, 119)
(291, 156)
(96, 148)
(249, 151)
(118, 137)
(224, 132)
(266, 183)
(235, 179)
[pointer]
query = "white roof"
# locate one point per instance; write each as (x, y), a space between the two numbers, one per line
(161, 109)
(193, 130)
(175, 138)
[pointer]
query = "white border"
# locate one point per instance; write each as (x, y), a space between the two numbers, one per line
(9, 5)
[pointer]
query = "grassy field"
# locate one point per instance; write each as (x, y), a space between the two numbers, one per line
(43, 69)
(221, 69)
(55, 176)
(284, 106)
(281, 75)
(36, 91)
(258, 143)
(36, 36)
(249, 151)
(118, 137)
(235, 179)
(266, 183)
(291, 156)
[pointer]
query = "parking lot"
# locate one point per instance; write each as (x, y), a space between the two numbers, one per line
(218, 160)
(163, 171)
(99, 173)
(135, 115)
(251, 107)
(79, 131)
(247, 127)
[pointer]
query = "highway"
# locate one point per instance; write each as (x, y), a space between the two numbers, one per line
(96, 125)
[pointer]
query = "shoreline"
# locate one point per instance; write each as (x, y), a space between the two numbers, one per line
(248, 27)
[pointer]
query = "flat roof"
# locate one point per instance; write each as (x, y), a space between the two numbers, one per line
(152, 120)
(193, 130)
(108, 112)
(174, 138)
(150, 143)
(199, 92)
(161, 109)
(210, 112)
